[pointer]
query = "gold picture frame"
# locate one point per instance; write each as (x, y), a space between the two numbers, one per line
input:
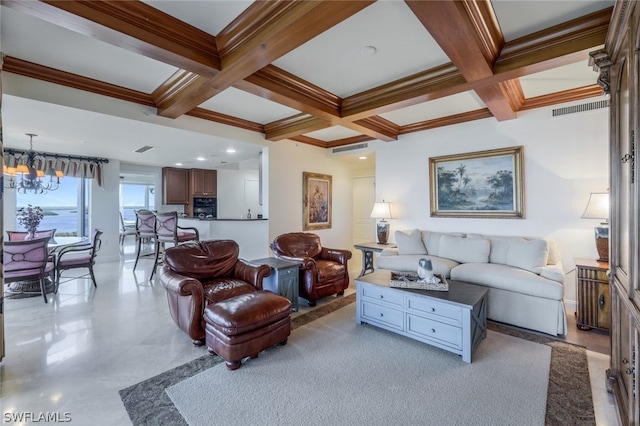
(483, 184)
(316, 196)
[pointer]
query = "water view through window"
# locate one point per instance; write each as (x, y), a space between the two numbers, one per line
(134, 196)
(61, 208)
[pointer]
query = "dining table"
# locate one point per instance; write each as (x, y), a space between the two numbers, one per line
(31, 288)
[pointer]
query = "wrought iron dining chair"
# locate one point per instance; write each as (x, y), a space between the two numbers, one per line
(168, 231)
(145, 231)
(79, 256)
(28, 260)
(125, 230)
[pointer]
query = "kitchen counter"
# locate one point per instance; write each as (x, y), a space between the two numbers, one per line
(252, 235)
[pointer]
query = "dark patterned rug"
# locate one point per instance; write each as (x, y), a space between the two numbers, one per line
(569, 400)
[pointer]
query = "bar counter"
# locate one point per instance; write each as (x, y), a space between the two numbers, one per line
(252, 235)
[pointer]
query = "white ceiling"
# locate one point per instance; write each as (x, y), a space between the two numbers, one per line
(332, 61)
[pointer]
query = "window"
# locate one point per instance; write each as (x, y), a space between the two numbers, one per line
(65, 209)
(135, 196)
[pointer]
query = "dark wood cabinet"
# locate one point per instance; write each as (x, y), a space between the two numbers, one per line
(594, 304)
(204, 183)
(175, 186)
(619, 67)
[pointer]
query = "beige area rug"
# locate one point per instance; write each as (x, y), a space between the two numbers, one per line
(335, 372)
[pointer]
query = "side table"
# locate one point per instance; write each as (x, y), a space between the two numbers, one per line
(592, 282)
(283, 279)
(367, 254)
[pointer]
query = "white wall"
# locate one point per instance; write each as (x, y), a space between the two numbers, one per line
(565, 158)
(287, 161)
(231, 193)
(103, 209)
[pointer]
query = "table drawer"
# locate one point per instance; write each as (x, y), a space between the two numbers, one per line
(383, 314)
(382, 294)
(433, 308)
(424, 328)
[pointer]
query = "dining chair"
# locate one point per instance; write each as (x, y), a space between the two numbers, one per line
(145, 231)
(20, 235)
(78, 256)
(125, 230)
(168, 231)
(28, 260)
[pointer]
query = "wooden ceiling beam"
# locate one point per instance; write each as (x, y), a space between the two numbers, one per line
(134, 26)
(296, 125)
(475, 47)
(264, 32)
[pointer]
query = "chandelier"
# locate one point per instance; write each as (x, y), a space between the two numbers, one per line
(27, 177)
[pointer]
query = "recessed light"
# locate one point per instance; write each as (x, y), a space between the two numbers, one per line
(200, 158)
(178, 164)
(230, 151)
(362, 158)
(368, 51)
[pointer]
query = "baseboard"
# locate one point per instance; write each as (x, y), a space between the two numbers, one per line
(570, 305)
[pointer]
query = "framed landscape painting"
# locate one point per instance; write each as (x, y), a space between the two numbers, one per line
(316, 194)
(478, 184)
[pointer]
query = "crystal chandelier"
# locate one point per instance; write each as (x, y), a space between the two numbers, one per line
(26, 177)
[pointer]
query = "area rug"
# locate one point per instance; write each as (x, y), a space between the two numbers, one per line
(568, 399)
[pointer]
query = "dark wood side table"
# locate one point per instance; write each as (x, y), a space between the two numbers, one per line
(283, 279)
(592, 283)
(367, 254)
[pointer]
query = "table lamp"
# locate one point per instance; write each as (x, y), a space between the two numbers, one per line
(382, 211)
(598, 208)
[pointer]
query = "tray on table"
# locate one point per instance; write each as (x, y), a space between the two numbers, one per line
(411, 280)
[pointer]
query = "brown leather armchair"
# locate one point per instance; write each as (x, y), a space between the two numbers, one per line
(323, 271)
(196, 274)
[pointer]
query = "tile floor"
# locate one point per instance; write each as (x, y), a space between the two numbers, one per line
(68, 359)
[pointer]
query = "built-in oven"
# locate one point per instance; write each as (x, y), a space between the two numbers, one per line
(205, 207)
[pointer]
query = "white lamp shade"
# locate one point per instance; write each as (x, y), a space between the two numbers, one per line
(597, 207)
(381, 211)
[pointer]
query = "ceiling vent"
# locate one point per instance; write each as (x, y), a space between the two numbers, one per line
(143, 149)
(581, 108)
(349, 148)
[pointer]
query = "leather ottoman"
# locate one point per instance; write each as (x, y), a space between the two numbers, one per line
(243, 326)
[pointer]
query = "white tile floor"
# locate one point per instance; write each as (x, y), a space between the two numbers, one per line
(69, 358)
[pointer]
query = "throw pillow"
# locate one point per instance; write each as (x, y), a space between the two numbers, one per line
(431, 241)
(554, 253)
(465, 250)
(530, 255)
(410, 242)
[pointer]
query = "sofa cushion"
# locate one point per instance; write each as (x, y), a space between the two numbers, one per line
(410, 242)
(530, 255)
(465, 250)
(431, 240)
(508, 278)
(554, 254)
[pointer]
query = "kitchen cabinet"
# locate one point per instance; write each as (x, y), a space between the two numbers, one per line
(175, 186)
(204, 183)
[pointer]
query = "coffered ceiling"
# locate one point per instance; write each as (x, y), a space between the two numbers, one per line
(325, 73)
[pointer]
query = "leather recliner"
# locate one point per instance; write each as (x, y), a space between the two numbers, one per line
(196, 274)
(323, 271)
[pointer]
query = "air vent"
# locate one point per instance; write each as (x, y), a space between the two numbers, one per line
(581, 108)
(350, 147)
(143, 149)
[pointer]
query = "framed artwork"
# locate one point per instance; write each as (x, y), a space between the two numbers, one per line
(478, 184)
(316, 196)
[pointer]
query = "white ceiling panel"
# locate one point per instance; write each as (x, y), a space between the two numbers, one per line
(211, 16)
(518, 18)
(332, 133)
(558, 79)
(334, 61)
(443, 107)
(244, 105)
(46, 44)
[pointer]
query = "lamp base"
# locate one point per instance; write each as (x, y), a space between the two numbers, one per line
(602, 243)
(383, 232)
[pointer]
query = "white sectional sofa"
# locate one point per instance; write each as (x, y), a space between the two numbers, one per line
(524, 275)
